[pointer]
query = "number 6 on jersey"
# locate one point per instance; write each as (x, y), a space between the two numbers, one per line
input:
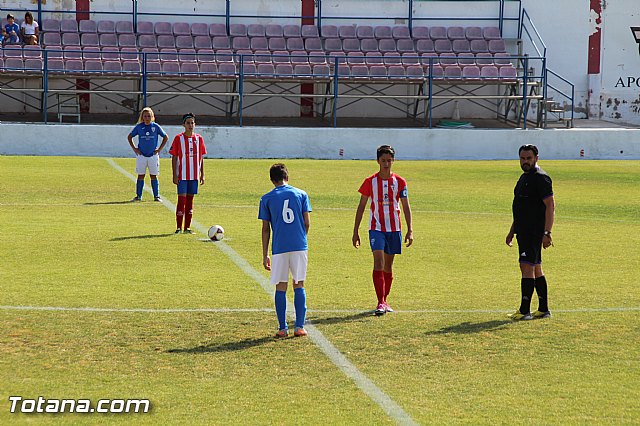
(287, 213)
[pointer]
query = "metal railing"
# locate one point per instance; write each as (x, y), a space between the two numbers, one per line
(241, 74)
(570, 97)
(525, 20)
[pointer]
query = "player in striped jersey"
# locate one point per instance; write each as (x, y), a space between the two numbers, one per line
(387, 191)
(187, 153)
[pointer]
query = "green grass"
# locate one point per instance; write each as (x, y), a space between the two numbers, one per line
(69, 240)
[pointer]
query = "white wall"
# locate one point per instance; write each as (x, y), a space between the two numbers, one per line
(326, 143)
(620, 95)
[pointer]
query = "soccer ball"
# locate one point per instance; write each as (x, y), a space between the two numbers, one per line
(216, 233)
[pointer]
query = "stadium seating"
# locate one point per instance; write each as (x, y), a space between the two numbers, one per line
(145, 28)
(218, 30)
(180, 48)
(124, 27)
(88, 26)
(68, 26)
(199, 29)
(400, 33)
(274, 30)
(106, 27)
(50, 25)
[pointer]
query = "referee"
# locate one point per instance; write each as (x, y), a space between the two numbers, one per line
(533, 213)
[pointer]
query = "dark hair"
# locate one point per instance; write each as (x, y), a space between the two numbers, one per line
(10, 16)
(188, 116)
(28, 15)
(385, 149)
(528, 147)
(278, 173)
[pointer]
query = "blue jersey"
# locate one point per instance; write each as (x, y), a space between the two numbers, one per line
(15, 27)
(147, 137)
(283, 207)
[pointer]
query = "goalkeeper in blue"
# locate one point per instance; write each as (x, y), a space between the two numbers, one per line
(285, 213)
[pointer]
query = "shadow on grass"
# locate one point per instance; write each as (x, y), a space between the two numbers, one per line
(250, 343)
(346, 318)
(472, 327)
(141, 237)
(103, 203)
(225, 347)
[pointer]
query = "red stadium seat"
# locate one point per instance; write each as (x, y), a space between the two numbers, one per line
(124, 27)
(291, 31)
(106, 27)
(88, 26)
(382, 32)
(274, 30)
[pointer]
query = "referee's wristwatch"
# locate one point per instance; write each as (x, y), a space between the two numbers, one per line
(547, 234)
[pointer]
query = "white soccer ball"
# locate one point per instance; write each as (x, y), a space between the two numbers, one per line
(216, 233)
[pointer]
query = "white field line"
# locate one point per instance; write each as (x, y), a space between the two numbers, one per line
(434, 212)
(388, 405)
(310, 311)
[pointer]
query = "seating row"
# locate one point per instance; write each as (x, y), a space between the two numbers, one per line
(262, 70)
(271, 30)
(263, 43)
(203, 55)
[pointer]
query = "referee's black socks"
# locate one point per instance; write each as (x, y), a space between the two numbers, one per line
(541, 289)
(526, 285)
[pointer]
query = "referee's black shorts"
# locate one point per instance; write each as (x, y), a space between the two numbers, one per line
(530, 248)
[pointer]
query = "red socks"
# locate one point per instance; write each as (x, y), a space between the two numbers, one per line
(388, 279)
(382, 283)
(188, 212)
(378, 283)
(180, 211)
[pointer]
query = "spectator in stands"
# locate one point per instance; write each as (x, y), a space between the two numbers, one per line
(29, 29)
(187, 154)
(147, 151)
(12, 31)
(533, 216)
(3, 35)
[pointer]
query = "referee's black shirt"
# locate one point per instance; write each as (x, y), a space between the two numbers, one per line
(528, 205)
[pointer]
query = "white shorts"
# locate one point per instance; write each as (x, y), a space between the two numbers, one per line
(294, 261)
(153, 163)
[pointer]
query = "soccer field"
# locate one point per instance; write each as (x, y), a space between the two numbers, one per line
(100, 300)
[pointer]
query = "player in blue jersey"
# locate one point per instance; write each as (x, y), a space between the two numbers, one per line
(285, 211)
(147, 151)
(12, 31)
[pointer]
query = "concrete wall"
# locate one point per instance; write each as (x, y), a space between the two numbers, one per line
(620, 79)
(328, 143)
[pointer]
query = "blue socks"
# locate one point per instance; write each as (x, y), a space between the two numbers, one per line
(300, 303)
(139, 186)
(155, 187)
(281, 308)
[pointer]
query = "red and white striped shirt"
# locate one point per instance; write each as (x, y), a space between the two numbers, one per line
(189, 151)
(385, 197)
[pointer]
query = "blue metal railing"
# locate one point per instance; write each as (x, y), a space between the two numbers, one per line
(534, 37)
(523, 27)
(559, 91)
(241, 75)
